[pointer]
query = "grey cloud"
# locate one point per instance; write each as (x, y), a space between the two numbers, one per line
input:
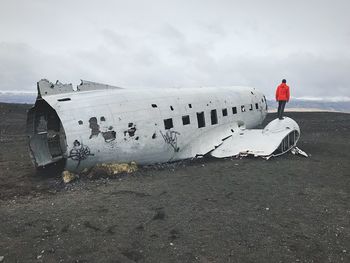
(21, 66)
(168, 43)
(308, 74)
(17, 70)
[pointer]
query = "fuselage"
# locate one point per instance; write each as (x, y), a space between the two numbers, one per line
(141, 125)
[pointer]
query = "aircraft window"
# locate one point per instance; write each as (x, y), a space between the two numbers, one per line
(243, 108)
(256, 106)
(171, 107)
(251, 107)
(201, 119)
(186, 120)
(64, 99)
(190, 106)
(154, 105)
(168, 124)
(214, 117)
(234, 110)
(102, 119)
(224, 112)
(80, 122)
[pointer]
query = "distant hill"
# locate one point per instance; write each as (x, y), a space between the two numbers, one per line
(322, 105)
(18, 97)
(294, 104)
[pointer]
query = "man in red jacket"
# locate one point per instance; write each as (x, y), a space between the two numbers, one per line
(282, 96)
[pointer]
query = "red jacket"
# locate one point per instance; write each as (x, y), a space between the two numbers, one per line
(282, 92)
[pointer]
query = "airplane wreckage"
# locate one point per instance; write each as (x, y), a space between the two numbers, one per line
(98, 123)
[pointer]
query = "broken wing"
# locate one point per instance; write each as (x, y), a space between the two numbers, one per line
(278, 137)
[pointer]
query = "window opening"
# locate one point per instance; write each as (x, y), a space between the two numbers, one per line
(186, 120)
(224, 112)
(234, 110)
(214, 117)
(201, 119)
(168, 124)
(64, 99)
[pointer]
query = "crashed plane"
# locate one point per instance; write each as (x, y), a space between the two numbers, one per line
(98, 123)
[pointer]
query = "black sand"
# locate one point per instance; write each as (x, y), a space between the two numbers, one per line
(287, 209)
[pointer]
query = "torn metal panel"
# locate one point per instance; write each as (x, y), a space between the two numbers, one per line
(206, 142)
(90, 85)
(47, 88)
(278, 137)
(297, 151)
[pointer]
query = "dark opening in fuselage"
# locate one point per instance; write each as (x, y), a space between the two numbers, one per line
(47, 139)
(287, 143)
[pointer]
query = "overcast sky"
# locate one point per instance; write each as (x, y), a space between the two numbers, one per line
(178, 44)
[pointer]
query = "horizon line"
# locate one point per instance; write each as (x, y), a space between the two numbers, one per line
(304, 98)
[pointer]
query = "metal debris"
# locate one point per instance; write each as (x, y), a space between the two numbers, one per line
(297, 151)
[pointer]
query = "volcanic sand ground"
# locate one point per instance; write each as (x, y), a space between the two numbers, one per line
(286, 209)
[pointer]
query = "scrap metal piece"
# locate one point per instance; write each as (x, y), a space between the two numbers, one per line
(277, 138)
(297, 151)
(90, 85)
(47, 88)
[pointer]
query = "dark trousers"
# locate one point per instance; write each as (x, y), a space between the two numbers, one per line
(281, 105)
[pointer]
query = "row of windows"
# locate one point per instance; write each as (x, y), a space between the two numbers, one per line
(224, 111)
(168, 123)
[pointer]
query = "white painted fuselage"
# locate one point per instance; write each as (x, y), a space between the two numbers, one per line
(141, 125)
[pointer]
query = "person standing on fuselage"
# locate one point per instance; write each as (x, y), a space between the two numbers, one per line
(282, 96)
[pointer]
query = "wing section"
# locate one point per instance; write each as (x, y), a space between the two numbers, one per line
(277, 138)
(206, 142)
